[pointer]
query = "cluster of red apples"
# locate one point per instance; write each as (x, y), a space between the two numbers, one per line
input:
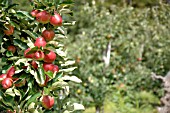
(6, 80)
(45, 17)
(46, 36)
(39, 55)
(47, 58)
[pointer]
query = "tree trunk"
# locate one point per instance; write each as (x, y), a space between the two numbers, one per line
(165, 100)
(99, 109)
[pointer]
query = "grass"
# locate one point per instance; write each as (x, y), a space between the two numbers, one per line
(121, 106)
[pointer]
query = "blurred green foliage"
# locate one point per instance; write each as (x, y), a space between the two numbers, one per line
(24, 3)
(140, 45)
(140, 42)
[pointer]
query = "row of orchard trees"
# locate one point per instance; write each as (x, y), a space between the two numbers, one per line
(120, 48)
(33, 63)
(135, 3)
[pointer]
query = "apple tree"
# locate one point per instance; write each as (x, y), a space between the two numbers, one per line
(117, 49)
(35, 70)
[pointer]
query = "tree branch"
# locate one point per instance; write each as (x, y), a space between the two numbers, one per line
(154, 76)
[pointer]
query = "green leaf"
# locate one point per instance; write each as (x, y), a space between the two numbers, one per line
(9, 54)
(25, 13)
(66, 11)
(49, 73)
(69, 69)
(67, 63)
(30, 42)
(33, 35)
(58, 75)
(15, 24)
(41, 74)
(36, 76)
(33, 98)
(71, 78)
(62, 30)
(17, 92)
(58, 84)
(22, 60)
(36, 28)
(60, 53)
(10, 6)
(30, 82)
(10, 92)
(46, 91)
(1, 95)
(3, 59)
(16, 35)
(8, 100)
(23, 76)
(4, 70)
(13, 58)
(34, 49)
(20, 44)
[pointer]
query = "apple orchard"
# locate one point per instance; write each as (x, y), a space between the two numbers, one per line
(35, 70)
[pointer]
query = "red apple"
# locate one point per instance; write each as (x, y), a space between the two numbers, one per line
(34, 64)
(11, 72)
(48, 35)
(50, 57)
(43, 17)
(40, 42)
(2, 77)
(55, 69)
(47, 101)
(34, 12)
(139, 59)
(7, 83)
(39, 55)
(56, 20)
(48, 67)
(9, 31)
(11, 48)
(28, 55)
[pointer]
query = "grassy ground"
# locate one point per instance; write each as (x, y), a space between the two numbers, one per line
(111, 107)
